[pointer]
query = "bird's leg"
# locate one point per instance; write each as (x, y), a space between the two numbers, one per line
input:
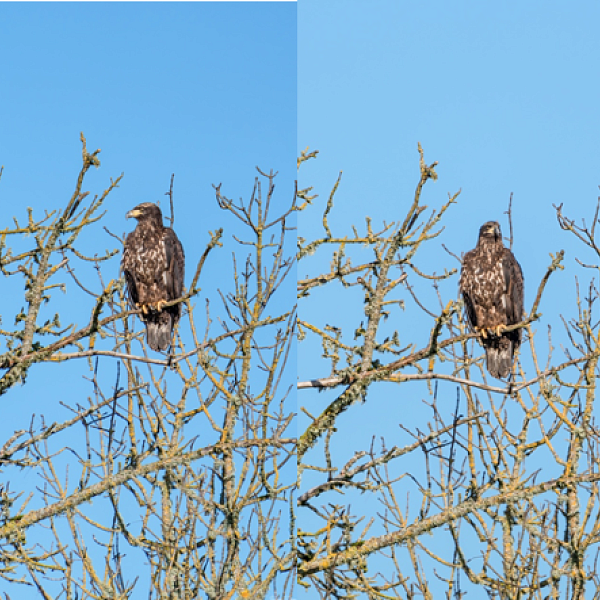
(498, 330)
(143, 307)
(160, 304)
(481, 331)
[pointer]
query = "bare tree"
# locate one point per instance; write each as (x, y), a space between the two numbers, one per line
(496, 492)
(174, 477)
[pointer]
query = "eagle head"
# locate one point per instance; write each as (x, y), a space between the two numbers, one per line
(490, 232)
(145, 211)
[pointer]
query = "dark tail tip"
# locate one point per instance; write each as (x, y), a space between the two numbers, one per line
(498, 361)
(159, 334)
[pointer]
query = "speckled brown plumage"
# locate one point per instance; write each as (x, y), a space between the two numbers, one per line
(491, 283)
(154, 265)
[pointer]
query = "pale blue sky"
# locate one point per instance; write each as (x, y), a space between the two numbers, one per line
(505, 97)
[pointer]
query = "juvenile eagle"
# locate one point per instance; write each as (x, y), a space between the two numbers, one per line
(491, 283)
(154, 263)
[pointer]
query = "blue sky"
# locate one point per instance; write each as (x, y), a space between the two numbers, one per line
(505, 97)
(203, 90)
(206, 91)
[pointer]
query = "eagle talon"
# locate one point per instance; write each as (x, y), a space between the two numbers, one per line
(143, 307)
(160, 304)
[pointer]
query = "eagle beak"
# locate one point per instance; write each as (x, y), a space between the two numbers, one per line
(133, 214)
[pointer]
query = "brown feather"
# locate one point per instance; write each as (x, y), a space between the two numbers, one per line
(492, 286)
(154, 266)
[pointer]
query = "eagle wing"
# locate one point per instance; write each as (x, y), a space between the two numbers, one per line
(514, 288)
(465, 285)
(129, 270)
(175, 272)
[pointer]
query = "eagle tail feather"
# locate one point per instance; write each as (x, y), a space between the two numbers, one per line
(491, 357)
(499, 357)
(505, 361)
(159, 331)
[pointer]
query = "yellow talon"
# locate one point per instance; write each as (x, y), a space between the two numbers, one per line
(160, 304)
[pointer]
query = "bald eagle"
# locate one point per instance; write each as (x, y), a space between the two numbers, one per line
(491, 283)
(154, 263)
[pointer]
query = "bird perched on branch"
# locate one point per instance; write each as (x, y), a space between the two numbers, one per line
(491, 283)
(154, 263)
